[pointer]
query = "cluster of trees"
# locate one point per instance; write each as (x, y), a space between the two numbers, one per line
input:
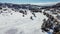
(50, 24)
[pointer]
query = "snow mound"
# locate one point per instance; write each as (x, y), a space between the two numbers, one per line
(17, 24)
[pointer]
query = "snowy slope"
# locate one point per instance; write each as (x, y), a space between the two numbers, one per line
(16, 24)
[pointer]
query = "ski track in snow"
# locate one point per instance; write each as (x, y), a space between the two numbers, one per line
(16, 24)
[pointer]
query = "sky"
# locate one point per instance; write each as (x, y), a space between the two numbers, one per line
(29, 1)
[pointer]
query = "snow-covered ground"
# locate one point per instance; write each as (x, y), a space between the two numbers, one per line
(16, 24)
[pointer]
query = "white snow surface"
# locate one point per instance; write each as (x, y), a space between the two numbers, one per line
(16, 24)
